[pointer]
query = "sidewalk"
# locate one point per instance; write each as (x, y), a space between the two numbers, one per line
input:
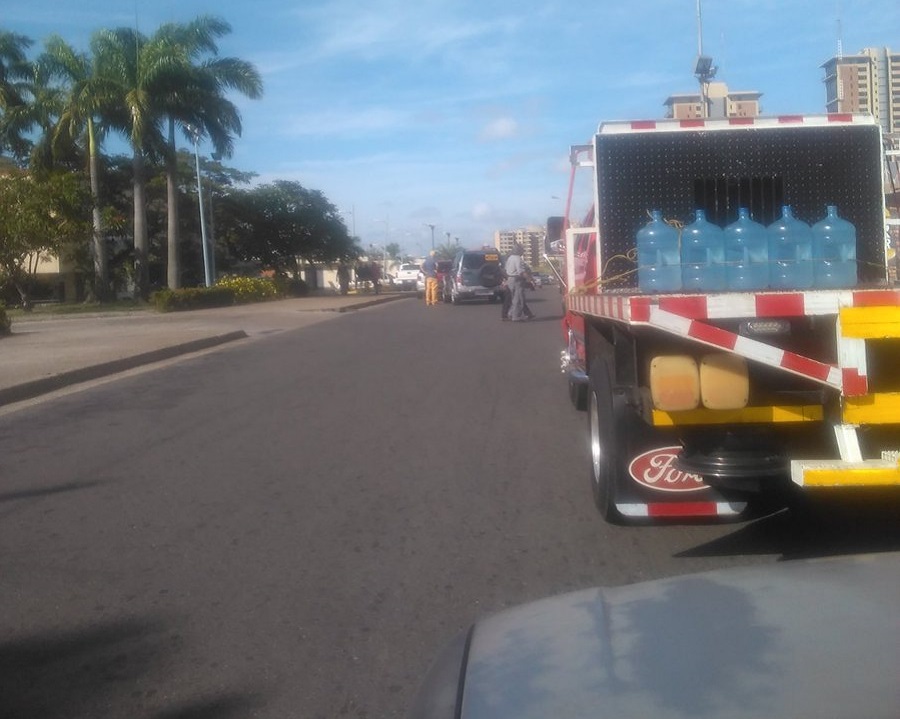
(51, 352)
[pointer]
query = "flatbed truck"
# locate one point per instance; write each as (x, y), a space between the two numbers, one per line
(701, 404)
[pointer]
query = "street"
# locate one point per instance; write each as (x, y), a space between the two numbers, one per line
(293, 525)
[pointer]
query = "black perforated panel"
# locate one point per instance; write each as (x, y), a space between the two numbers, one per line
(807, 167)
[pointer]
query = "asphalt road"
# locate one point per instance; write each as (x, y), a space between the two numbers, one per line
(292, 526)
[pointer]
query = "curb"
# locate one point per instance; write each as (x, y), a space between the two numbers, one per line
(35, 388)
(369, 303)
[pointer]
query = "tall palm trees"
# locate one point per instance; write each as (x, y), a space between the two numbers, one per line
(15, 88)
(144, 88)
(88, 94)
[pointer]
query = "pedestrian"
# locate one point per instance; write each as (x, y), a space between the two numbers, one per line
(506, 300)
(343, 276)
(429, 270)
(516, 278)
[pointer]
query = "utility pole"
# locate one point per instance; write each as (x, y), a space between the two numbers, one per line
(704, 70)
(207, 267)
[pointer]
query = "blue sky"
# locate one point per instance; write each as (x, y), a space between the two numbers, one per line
(460, 114)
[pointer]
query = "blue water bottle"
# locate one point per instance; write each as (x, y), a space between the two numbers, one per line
(834, 251)
(703, 255)
(790, 253)
(746, 254)
(658, 255)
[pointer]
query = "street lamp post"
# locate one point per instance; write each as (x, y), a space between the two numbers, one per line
(352, 213)
(207, 273)
(387, 239)
(432, 226)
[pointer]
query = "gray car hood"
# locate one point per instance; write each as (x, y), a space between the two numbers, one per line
(799, 639)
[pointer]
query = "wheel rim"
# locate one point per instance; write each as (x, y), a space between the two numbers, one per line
(596, 447)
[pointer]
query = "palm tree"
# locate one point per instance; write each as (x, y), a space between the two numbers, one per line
(15, 89)
(129, 64)
(191, 94)
(87, 93)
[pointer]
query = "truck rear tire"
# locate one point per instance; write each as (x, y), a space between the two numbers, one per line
(604, 443)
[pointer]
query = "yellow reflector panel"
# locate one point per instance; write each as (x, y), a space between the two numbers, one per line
(724, 381)
(674, 383)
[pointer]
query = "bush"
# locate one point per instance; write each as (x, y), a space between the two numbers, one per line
(37, 288)
(292, 287)
(193, 298)
(5, 323)
(250, 289)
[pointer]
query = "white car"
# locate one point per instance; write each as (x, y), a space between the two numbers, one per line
(406, 276)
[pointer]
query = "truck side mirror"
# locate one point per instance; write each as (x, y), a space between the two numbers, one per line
(554, 233)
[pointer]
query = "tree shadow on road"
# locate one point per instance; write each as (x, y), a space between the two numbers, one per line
(110, 669)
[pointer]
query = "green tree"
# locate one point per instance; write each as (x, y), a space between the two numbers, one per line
(447, 251)
(16, 75)
(41, 216)
(191, 94)
(131, 65)
(86, 95)
(278, 224)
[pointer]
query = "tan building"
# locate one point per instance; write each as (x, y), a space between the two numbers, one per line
(868, 82)
(531, 238)
(721, 103)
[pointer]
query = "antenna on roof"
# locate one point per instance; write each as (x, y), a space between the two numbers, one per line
(704, 70)
(699, 30)
(840, 33)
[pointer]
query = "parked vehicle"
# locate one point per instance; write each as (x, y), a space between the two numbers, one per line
(724, 644)
(406, 275)
(475, 275)
(700, 401)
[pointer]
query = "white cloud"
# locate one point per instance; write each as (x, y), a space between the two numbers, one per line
(501, 128)
(482, 211)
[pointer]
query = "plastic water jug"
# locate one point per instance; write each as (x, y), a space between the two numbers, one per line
(702, 255)
(746, 254)
(659, 257)
(790, 253)
(834, 251)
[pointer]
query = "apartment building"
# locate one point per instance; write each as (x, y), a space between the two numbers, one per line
(868, 82)
(531, 238)
(721, 102)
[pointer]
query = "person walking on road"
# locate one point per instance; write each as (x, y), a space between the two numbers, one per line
(516, 278)
(429, 269)
(506, 301)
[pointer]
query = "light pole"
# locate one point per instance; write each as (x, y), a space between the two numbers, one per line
(352, 213)
(432, 226)
(387, 239)
(207, 273)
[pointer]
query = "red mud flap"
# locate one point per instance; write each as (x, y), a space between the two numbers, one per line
(681, 510)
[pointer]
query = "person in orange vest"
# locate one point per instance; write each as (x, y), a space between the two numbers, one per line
(429, 269)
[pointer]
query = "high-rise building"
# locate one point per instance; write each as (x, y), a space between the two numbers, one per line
(721, 102)
(868, 82)
(531, 238)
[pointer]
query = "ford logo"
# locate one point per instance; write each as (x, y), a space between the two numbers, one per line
(656, 469)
